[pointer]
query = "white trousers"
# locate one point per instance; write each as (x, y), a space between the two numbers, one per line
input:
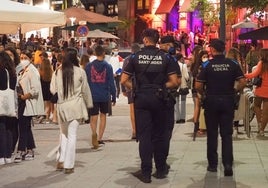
(180, 108)
(68, 132)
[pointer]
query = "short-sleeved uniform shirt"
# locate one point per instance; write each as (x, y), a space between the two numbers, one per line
(219, 75)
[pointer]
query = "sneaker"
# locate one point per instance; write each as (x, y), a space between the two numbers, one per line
(8, 160)
(59, 166)
(47, 121)
(2, 161)
(180, 121)
(235, 133)
(190, 120)
(261, 133)
(18, 157)
(40, 119)
(29, 156)
(101, 142)
(68, 170)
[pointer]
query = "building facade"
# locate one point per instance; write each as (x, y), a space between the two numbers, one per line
(167, 16)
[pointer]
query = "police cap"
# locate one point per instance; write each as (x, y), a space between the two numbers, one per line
(153, 34)
(217, 44)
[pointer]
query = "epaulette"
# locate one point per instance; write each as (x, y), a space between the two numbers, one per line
(132, 55)
(234, 61)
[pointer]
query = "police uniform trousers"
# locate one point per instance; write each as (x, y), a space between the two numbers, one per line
(170, 118)
(151, 129)
(219, 114)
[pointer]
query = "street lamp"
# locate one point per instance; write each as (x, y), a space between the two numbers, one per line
(72, 23)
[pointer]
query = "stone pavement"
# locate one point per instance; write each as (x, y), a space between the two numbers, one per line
(112, 165)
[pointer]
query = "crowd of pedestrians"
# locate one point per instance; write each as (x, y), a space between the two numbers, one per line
(80, 85)
(32, 74)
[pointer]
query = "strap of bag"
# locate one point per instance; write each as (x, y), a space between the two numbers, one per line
(141, 74)
(144, 71)
(8, 84)
(56, 80)
(183, 72)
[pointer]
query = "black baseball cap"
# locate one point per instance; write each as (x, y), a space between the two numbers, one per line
(167, 39)
(217, 44)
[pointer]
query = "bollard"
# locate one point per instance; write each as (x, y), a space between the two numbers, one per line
(249, 113)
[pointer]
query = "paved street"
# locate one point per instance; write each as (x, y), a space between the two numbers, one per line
(112, 165)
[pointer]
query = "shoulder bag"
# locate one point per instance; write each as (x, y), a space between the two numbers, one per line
(7, 101)
(257, 81)
(183, 91)
(54, 97)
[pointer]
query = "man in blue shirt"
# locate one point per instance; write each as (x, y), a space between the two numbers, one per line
(101, 82)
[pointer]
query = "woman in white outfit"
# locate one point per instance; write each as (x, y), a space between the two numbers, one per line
(180, 106)
(30, 104)
(236, 56)
(69, 81)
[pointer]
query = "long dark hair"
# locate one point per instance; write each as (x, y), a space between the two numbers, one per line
(264, 60)
(198, 62)
(69, 61)
(7, 63)
(195, 61)
(15, 54)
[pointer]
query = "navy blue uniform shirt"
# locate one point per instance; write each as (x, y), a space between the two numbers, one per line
(160, 63)
(219, 75)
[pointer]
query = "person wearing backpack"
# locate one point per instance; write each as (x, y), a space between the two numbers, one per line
(101, 82)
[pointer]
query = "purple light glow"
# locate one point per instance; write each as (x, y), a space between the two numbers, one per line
(196, 23)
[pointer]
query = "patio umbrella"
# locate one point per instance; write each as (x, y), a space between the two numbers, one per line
(16, 15)
(247, 23)
(102, 27)
(258, 34)
(101, 34)
(81, 14)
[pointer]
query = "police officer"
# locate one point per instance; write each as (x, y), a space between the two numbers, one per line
(154, 74)
(167, 44)
(218, 76)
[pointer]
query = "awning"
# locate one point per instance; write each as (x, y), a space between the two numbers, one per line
(186, 6)
(258, 34)
(165, 6)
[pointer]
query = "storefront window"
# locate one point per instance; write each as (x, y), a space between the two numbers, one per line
(139, 4)
(92, 8)
(147, 4)
(143, 4)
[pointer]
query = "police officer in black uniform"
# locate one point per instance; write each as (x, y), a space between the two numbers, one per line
(168, 45)
(218, 76)
(154, 73)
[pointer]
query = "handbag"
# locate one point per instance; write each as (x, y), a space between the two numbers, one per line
(54, 98)
(183, 91)
(7, 101)
(257, 81)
